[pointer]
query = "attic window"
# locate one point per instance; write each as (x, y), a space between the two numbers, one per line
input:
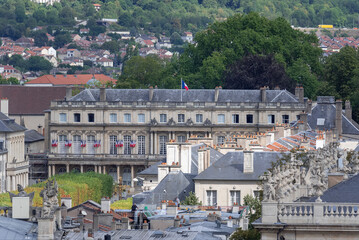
(320, 121)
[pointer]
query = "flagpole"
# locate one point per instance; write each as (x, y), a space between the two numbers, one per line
(181, 89)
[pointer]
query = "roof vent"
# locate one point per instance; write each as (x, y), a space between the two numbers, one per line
(125, 237)
(158, 234)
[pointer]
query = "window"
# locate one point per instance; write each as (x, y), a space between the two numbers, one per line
(163, 118)
(91, 117)
(320, 121)
(181, 118)
(257, 194)
(249, 118)
(113, 148)
(126, 144)
(77, 117)
(113, 117)
(2, 145)
(199, 118)
(220, 139)
(127, 118)
(89, 144)
(271, 118)
(63, 117)
(62, 142)
(211, 198)
(181, 138)
(140, 118)
(235, 197)
(141, 144)
(285, 118)
(126, 176)
(76, 144)
(235, 118)
(220, 118)
(163, 141)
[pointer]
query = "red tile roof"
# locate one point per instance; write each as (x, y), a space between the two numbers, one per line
(80, 79)
(30, 100)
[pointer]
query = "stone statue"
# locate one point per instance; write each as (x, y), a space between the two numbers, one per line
(22, 193)
(189, 122)
(50, 201)
(171, 122)
(154, 122)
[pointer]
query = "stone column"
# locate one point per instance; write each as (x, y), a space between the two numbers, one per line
(13, 183)
(104, 170)
(151, 140)
(27, 179)
(53, 170)
(118, 173)
(95, 168)
(155, 143)
(82, 168)
(49, 171)
(99, 169)
(132, 176)
(8, 183)
(67, 167)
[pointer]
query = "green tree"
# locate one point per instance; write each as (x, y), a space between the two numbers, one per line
(20, 12)
(176, 39)
(112, 46)
(61, 40)
(40, 38)
(10, 81)
(191, 200)
(37, 63)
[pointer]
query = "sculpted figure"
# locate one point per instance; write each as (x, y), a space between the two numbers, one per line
(49, 195)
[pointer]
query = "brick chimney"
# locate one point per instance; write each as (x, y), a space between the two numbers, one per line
(338, 117)
(102, 94)
(348, 110)
(216, 94)
(4, 106)
(263, 91)
(105, 204)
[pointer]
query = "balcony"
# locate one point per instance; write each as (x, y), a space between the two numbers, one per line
(107, 157)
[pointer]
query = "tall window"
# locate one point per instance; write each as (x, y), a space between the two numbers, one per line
(127, 117)
(141, 144)
(235, 197)
(249, 118)
(271, 118)
(113, 117)
(235, 118)
(163, 141)
(163, 118)
(63, 117)
(141, 118)
(211, 197)
(181, 138)
(220, 140)
(220, 118)
(76, 144)
(90, 143)
(126, 144)
(77, 117)
(285, 118)
(199, 118)
(113, 148)
(181, 118)
(257, 194)
(91, 117)
(62, 141)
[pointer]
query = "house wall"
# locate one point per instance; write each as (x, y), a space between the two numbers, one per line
(35, 147)
(223, 189)
(31, 121)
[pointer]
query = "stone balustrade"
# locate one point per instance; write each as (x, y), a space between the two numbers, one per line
(310, 213)
(107, 156)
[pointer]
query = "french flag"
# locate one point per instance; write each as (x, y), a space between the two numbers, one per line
(184, 85)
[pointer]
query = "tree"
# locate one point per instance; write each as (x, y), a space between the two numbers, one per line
(20, 12)
(37, 63)
(10, 81)
(61, 40)
(112, 46)
(191, 200)
(176, 39)
(255, 71)
(40, 38)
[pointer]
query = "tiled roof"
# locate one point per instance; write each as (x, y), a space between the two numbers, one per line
(30, 100)
(285, 144)
(80, 79)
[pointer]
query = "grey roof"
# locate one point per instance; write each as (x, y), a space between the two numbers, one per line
(326, 109)
(230, 166)
(152, 170)
(33, 136)
(193, 95)
(9, 125)
(175, 184)
(13, 229)
(345, 192)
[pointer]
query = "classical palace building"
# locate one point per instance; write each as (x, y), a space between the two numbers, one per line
(123, 131)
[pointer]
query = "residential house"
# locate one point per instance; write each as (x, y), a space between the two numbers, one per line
(75, 37)
(105, 62)
(45, 51)
(73, 53)
(84, 31)
(97, 6)
(25, 42)
(188, 37)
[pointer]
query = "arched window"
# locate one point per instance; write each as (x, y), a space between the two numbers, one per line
(76, 144)
(90, 144)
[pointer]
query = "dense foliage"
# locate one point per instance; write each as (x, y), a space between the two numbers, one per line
(34, 63)
(122, 204)
(191, 200)
(81, 187)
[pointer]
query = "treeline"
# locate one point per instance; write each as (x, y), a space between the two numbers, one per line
(248, 52)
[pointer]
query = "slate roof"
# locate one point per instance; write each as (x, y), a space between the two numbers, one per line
(176, 184)
(345, 192)
(325, 109)
(230, 167)
(9, 125)
(13, 229)
(152, 170)
(30, 100)
(193, 95)
(33, 136)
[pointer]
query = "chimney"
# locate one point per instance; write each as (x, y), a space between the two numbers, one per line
(216, 94)
(338, 117)
(176, 222)
(102, 94)
(68, 93)
(248, 161)
(303, 117)
(309, 107)
(163, 170)
(4, 106)
(90, 233)
(105, 204)
(348, 110)
(67, 201)
(277, 88)
(150, 94)
(299, 93)
(124, 223)
(95, 222)
(263, 91)
(334, 179)
(80, 219)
